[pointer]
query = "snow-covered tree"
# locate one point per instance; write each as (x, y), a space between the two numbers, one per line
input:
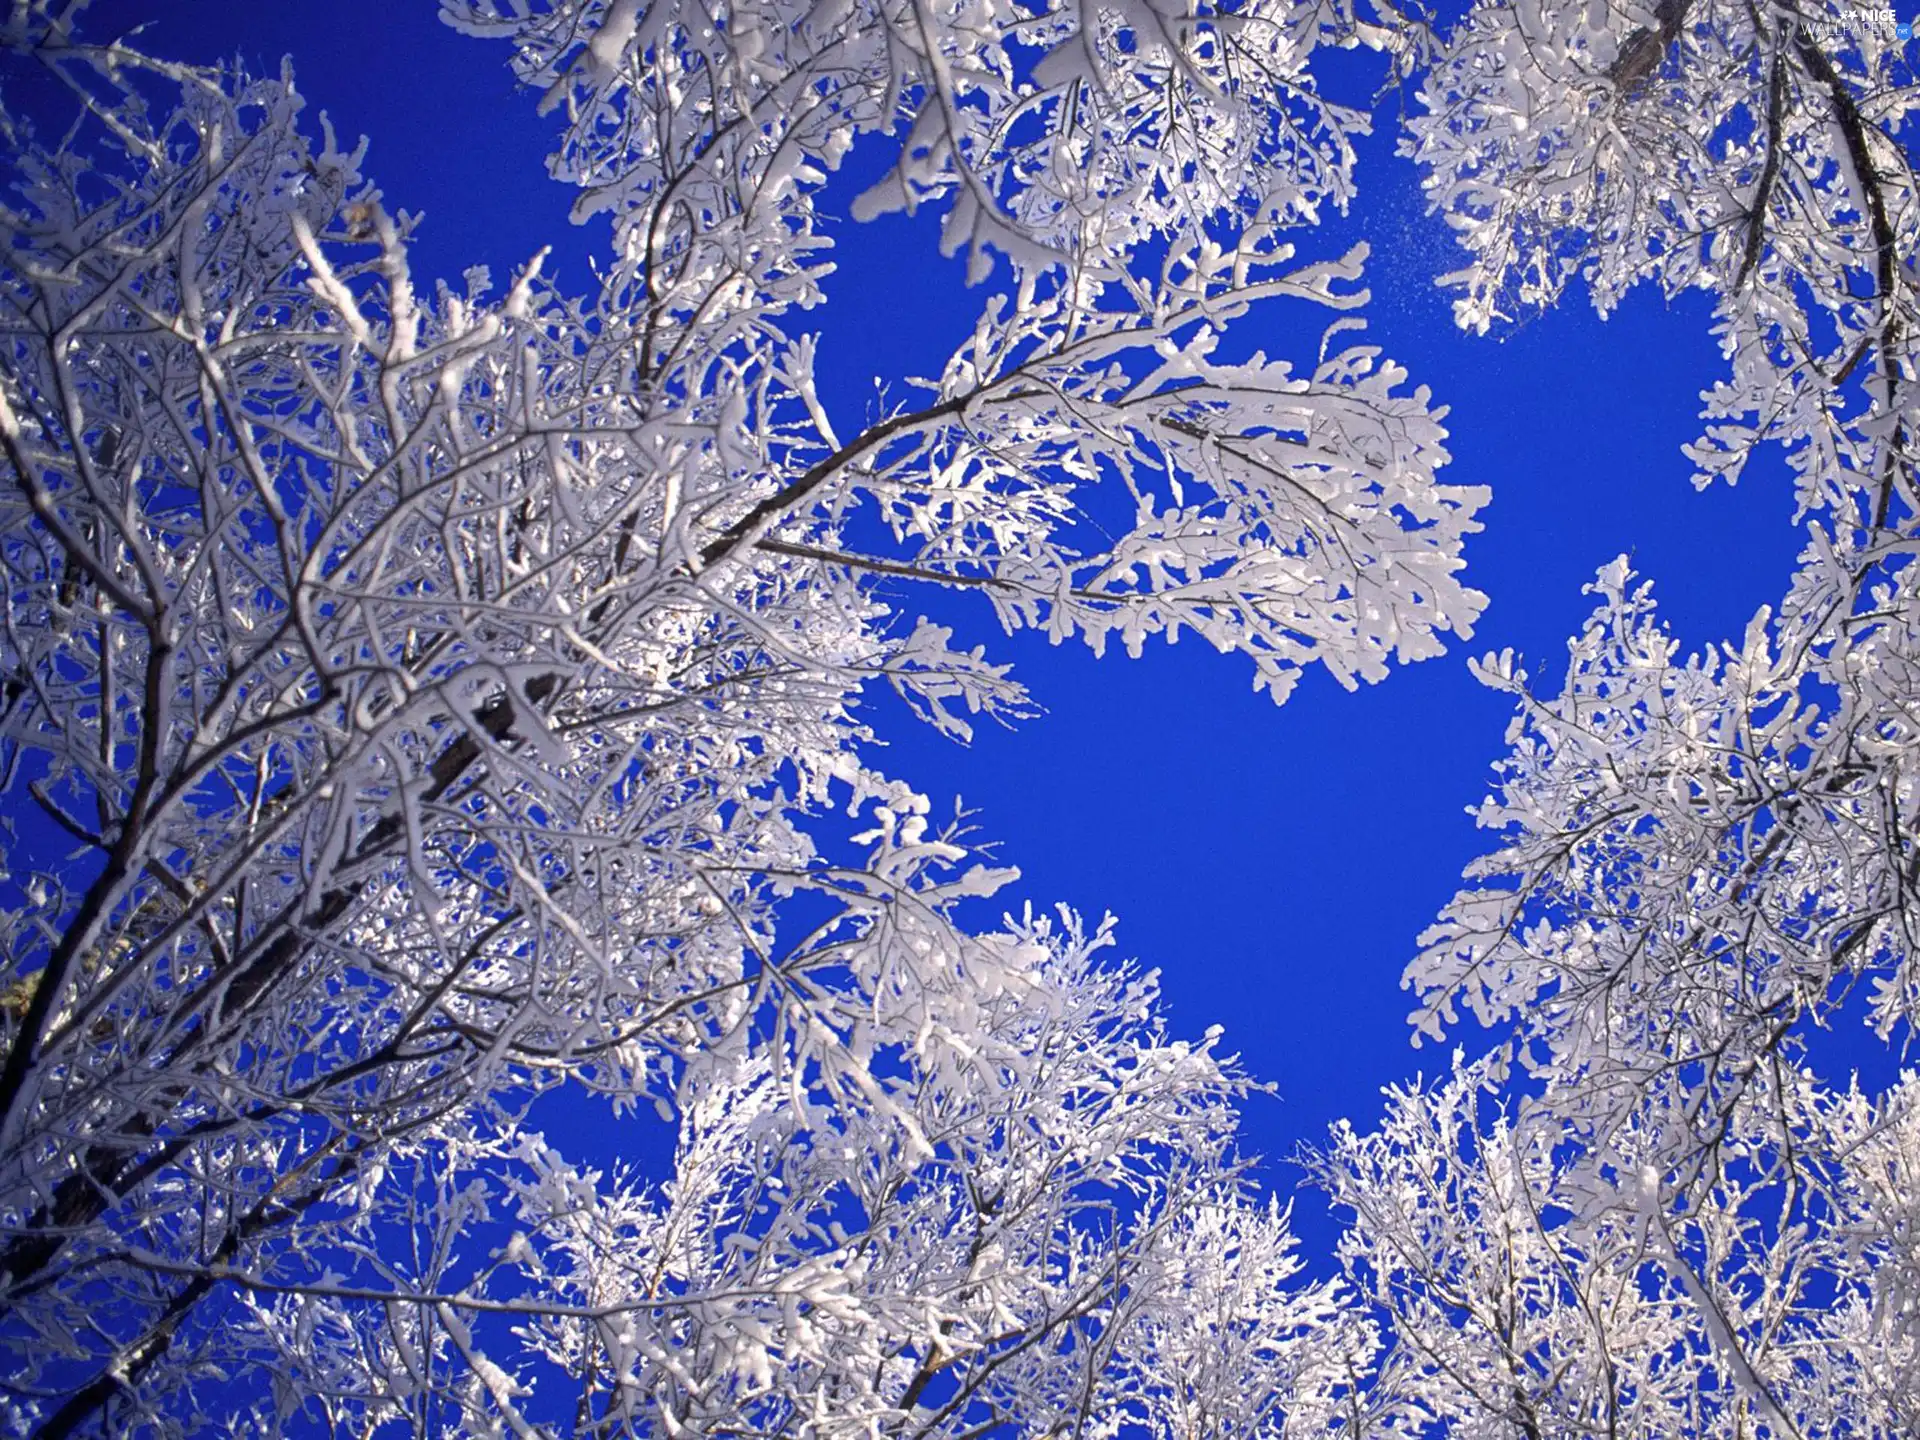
(440, 691)
(1682, 1222)
(1758, 152)
(1703, 854)
(1534, 1293)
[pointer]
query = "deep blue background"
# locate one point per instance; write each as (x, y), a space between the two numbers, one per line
(1275, 863)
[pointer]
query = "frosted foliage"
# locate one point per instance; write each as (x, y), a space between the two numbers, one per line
(437, 698)
(1533, 1295)
(1285, 512)
(1704, 862)
(451, 699)
(1704, 856)
(1046, 131)
(1017, 1237)
(1756, 152)
(1685, 1217)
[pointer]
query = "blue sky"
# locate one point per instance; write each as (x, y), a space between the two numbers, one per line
(1275, 863)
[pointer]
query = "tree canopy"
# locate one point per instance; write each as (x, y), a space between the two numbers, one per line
(453, 702)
